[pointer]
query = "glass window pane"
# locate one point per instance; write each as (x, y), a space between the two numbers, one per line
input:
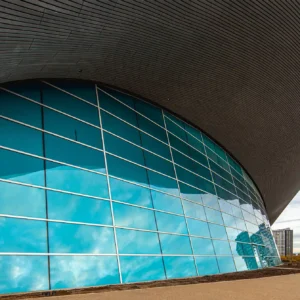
(211, 201)
(222, 247)
(167, 203)
(236, 211)
(176, 130)
(73, 238)
(243, 237)
(207, 265)
(20, 109)
(170, 223)
(159, 164)
(163, 183)
(74, 154)
(152, 112)
(213, 216)
(121, 148)
(126, 170)
(151, 128)
(229, 220)
(240, 224)
(175, 244)
(130, 193)
(155, 146)
(193, 132)
(22, 200)
(70, 105)
(21, 167)
(225, 206)
(195, 143)
(71, 128)
(82, 89)
(120, 128)
(198, 227)
(193, 210)
(12, 135)
(23, 273)
(142, 268)
(134, 217)
(190, 193)
(179, 266)
(21, 235)
(226, 264)
(124, 98)
(120, 110)
(233, 234)
(202, 246)
(220, 171)
(74, 208)
(137, 242)
(217, 231)
(75, 180)
(83, 271)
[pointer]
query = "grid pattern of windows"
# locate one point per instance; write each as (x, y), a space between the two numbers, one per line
(98, 187)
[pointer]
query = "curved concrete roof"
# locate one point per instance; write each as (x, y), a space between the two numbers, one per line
(229, 67)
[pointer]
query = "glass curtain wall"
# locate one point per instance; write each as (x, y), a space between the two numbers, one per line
(98, 187)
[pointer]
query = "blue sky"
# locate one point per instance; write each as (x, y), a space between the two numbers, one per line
(292, 212)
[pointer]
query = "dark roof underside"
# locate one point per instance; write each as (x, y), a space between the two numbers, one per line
(229, 67)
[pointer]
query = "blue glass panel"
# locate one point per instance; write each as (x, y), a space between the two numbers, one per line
(213, 216)
(20, 109)
(22, 200)
(207, 265)
(137, 242)
(152, 112)
(179, 145)
(120, 110)
(249, 217)
(190, 193)
(71, 128)
(20, 235)
(240, 224)
(73, 238)
(22, 168)
(251, 227)
(216, 168)
(155, 146)
(159, 164)
(124, 98)
(217, 231)
(134, 217)
(232, 233)
(131, 193)
(236, 211)
(195, 143)
(141, 268)
(240, 264)
(124, 149)
(175, 129)
(193, 131)
(26, 88)
(218, 160)
(82, 89)
(202, 246)
(70, 105)
(83, 271)
(23, 274)
(226, 195)
(179, 266)
(170, 223)
(211, 201)
(193, 210)
(75, 180)
(226, 264)
(229, 220)
(247, 249)
(222, 247)
(224, 183)
(226, 207)
(243, 237)
(175, 244)
(12, 135)
(151, 128)
(78, 209)
(167, 203)
(252, 264)
(163, 183)
(120, 128)
(198, 227)
(126, 170)
(74, 154)
(236, 248)
(199, 157)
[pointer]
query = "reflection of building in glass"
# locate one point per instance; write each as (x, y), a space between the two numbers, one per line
(98, 187)
(284, 241)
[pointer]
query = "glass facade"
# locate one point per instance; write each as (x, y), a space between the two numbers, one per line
(98, 187)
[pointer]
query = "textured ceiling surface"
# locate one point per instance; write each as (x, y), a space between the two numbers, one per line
(229, 67)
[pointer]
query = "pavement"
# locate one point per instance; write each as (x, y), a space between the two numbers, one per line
(285, 287)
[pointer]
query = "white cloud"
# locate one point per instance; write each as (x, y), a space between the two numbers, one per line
(285, 220)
